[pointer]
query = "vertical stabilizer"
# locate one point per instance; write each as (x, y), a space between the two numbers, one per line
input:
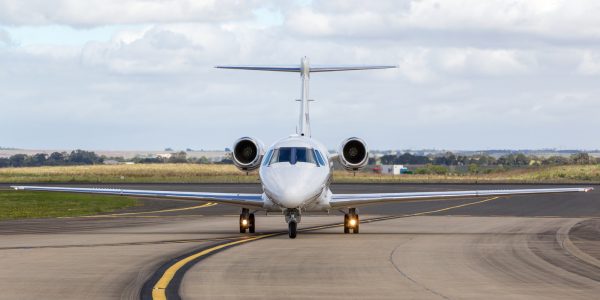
(304, 122)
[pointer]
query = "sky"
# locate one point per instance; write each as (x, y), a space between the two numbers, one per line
(139, 74)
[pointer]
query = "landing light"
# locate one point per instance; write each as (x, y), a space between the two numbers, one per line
(244, 222)
(352, 222)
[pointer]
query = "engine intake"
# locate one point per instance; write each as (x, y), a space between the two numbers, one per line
(353, 154)
(247, 153)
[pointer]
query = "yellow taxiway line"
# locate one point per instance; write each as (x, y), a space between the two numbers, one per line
(159, 289)
(452, 207)
(209, 204)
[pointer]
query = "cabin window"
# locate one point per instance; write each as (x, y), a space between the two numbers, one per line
(293, 155)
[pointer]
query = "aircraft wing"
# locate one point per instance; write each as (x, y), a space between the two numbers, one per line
(243, 200)
(354, 200)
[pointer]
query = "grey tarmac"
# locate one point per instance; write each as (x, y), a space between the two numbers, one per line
(517, 247)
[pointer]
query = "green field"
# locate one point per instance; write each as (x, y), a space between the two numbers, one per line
(200, 173)
(26, 204)
(151, 173)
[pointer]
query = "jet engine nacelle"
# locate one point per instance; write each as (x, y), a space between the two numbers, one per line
(353, 154)
(247, 153)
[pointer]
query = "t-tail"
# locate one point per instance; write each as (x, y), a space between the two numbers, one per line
(305, 69)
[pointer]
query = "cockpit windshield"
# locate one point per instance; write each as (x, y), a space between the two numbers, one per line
(293, 155)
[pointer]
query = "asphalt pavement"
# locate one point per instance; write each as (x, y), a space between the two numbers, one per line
(519, 247)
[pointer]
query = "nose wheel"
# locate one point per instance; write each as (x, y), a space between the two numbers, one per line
(351, 221)
(247, 221)
(292, 229)
(292, 217)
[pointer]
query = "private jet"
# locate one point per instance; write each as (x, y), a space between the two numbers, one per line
(296, 171)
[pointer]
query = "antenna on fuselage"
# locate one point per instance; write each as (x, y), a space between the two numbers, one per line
(304, 69)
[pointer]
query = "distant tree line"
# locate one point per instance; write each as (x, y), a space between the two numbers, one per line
(431, 164)
(76, 157)
(441, 164)
(81, 157)
(511, 160)
(177, 158)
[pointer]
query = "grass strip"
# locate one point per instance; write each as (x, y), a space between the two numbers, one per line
(30, 204)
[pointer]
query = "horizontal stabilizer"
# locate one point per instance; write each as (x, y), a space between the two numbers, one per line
(263, 68)
(316, 68)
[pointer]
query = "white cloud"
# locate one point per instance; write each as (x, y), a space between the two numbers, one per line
(466, 69)
(163, 49)
(417, 19)
(487, 61)
(5, 39)
(590, 63)
(415, 66)
(306, 21)
(102, 12)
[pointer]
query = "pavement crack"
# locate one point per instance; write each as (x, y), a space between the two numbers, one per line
(391, 258)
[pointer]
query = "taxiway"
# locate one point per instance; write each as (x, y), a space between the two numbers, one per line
(520, 247)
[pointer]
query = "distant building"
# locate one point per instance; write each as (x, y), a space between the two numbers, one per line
(391, 169)
(116, 162)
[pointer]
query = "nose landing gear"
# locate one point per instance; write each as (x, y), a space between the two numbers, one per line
(247, 221)
(292, 217)
(351, 221)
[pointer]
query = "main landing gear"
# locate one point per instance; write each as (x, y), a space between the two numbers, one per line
(292, 217)
(247, 221)
(351, 221)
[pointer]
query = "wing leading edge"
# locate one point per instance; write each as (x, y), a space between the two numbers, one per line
(243, 200)
(354, 200)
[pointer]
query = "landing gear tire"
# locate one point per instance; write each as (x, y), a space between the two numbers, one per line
(292, 229)
(245, 220)
(251, 223)
(242, 226)
(351, 221)
(346, 225)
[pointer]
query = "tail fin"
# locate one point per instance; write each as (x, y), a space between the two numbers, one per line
(305, 69)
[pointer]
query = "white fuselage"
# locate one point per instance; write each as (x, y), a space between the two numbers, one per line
(295, 174)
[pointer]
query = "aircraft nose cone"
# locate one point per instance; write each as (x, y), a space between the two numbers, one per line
(289, 196)
(291, 188)
(287, 191)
